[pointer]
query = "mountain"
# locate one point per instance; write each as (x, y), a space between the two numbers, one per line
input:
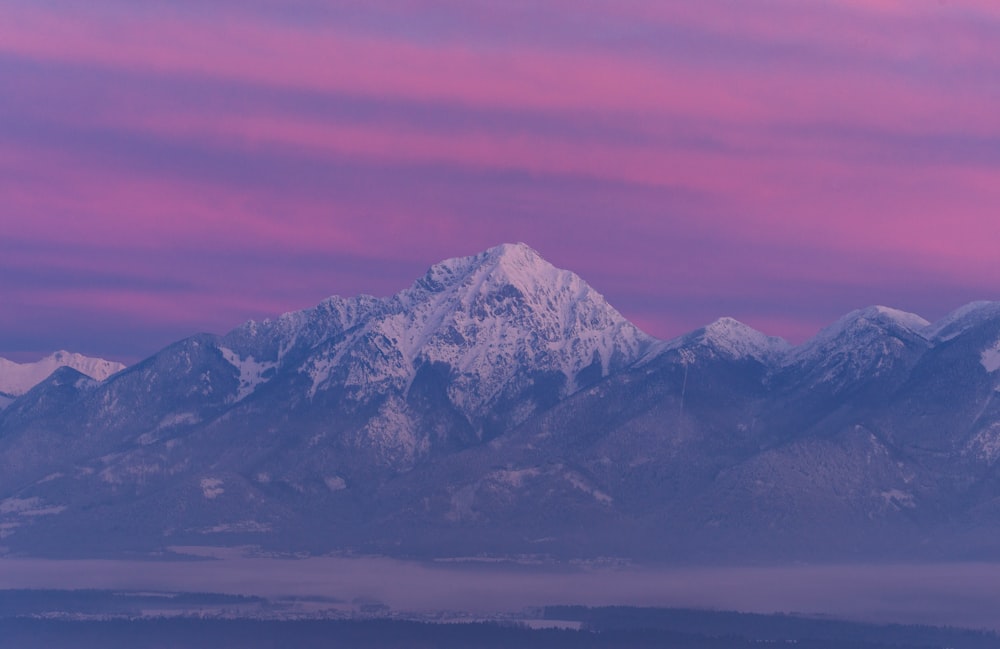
(500, 406)
(18, 378)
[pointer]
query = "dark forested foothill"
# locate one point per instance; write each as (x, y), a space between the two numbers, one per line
(195, 633)
(771, 628)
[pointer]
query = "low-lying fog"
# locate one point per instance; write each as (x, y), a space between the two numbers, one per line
(957, 594)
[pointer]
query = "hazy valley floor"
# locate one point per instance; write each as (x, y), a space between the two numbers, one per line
(954, 594)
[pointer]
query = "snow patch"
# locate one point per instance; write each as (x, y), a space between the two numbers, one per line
(178, 419)
(44, 511)
(238, 527)
(579, 483)
(319, 371)
(137, 471)
(986, 444)
(252, 372)
(898, 499)
(514, 477)
(990, 358)
(29, 507)
(211, 488)
(335, 483)
(18, 505)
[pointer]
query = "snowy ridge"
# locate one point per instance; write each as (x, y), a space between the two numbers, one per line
(733, 339)
(272, 339)
(961, 320)
(858, 330)
(18, 378)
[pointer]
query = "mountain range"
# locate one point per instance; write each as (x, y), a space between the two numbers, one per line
(500, 407)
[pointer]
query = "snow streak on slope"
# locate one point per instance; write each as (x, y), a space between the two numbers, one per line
(252, 372)
(18, 378)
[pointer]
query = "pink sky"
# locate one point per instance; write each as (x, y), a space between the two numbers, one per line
(169, 168)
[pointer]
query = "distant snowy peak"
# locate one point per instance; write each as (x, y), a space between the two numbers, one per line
(735, 340)
(18, 378)
(962, 319)
(742, 341)
(880, 317)
(861, 327)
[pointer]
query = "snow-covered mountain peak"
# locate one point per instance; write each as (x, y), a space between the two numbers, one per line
(864, 344)
(489, 317)
(514, 264)
(874, 317)
(962, 319)
(743, 341)
(860, 325)
(18, 378)
(734, 339)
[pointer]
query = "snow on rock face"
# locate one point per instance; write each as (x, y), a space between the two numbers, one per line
(990, 357)
(252, 372)
(18, 378)
(211, 488)
(393, 436)
(986, 444)
(488, 317)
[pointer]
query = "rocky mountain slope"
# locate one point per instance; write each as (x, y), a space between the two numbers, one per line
(500, 406)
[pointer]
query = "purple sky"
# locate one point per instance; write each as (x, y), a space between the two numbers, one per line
(174, 167)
